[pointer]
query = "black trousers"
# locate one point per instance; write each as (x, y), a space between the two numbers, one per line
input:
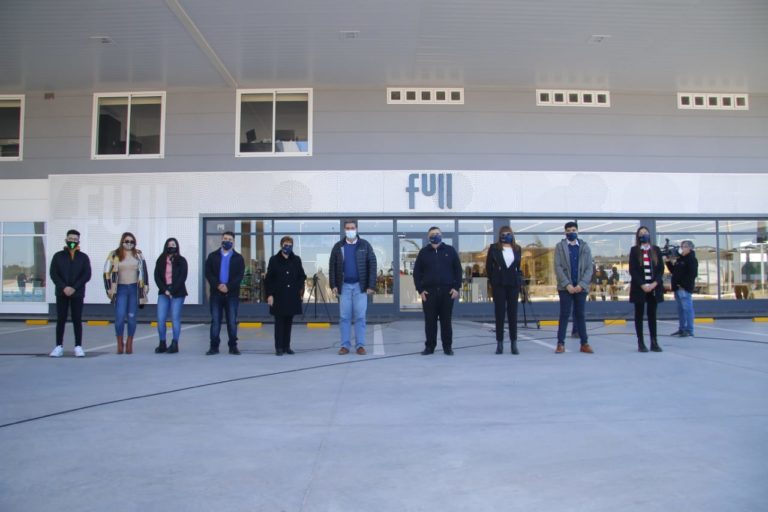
(438, 306)
(650, 305)
(505, 301)
(63, 305)
(283, 326)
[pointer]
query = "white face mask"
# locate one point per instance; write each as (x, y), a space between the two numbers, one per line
(351, 233)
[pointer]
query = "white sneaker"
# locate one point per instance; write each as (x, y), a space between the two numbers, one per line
(79, 352)
(57, 352)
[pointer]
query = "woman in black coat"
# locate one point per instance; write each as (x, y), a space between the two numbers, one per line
(284, 284)
(646, 290)
(503, 268)
(170, 278)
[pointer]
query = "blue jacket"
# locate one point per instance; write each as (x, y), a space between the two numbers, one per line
(437, 268)
(366, 265)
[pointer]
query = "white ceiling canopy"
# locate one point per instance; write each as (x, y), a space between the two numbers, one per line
(656, 46)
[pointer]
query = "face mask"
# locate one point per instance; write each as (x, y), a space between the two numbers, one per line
(644, 239)
(171, 250)
(226, 244)
(508, 238)
(351, 233)
(287, 249)
(436, 239)
(571, 236)
(72, 245)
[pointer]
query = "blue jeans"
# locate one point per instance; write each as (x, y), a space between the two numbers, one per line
(164, 303)
(224, 303)
(577, 301)
(126, 307)
(353, 304)
(685, 310)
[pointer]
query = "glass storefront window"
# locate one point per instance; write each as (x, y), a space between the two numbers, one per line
(743, 267)
(374, 226)
(23, 228)
(385, 272)
(585, 226)
(685, 226)
(296, 226)
(256, 247)
(315, 253)
(705, 247)
(473, 250)
(422, 225)
(476, 226)
(24, 268)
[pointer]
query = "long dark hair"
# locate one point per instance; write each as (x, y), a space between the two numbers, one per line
(178, 248)
(121, 250)
(654, 258)
(499, 243)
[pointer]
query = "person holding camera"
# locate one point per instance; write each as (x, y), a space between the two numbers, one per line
(284, 284)
(646, 290)
(503, 267)
(684, 268)
(352, 276)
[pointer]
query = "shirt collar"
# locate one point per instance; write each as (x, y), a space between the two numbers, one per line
(350, 243)
(575, 242)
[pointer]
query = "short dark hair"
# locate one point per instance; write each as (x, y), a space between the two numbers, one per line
(571, 224)
(230, 233)
(350, 221)
(73, 232)
(286, 238)
(434, 227)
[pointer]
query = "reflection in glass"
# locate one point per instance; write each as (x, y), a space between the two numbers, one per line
(24, 269)
(315, 253)
(292, 122)
(382, 247)
(685, 226)
(146, 114)
(112, 126)
(374, 226)
(558, 225)
(307, 226)
(706, 254)
(473, 251)
(256, 122)
(423, 225)
(743, 266)
(476, 226)
(24, 228)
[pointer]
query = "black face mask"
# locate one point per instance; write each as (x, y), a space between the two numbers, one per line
(72, 245)
(171, 250)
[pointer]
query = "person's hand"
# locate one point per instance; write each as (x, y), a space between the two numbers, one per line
(571, 289)
(223, 288)
(652, 286)
(423, 296)
(370, 291)
(454, 294)
(167, 293)
(335, 291)
(270, 300)
(578, 289)
(69, 291)
(110, 295)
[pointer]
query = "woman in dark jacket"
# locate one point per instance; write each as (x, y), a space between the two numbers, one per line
(646, 290)
(170, 277)
(503, 268)
(284, 284)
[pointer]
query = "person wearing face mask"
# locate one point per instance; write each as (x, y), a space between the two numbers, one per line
(125, 280)
(170, 278)
(573, 270)
(685, 269)
(352, 276)
(503, 267)
(646, 290)
(284, 283)
(70, 271)
(224, 271)
(437, 277)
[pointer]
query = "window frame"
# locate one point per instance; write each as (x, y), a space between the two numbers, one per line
(130, 96)
(274, 92)
(21, 98)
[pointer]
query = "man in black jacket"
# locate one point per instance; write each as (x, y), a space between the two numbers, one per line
(70, 271)
(224, 270)
(437, 276)
(352, 276)
(685, 269)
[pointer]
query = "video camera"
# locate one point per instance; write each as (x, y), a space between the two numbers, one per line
(669, 250)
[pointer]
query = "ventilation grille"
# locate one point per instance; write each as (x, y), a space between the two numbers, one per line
(555, 97)
(425, 96)
(712, 101)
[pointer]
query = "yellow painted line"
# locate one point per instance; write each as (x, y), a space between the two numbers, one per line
(318, 325)
(37, 322)
(704, 320)
(760, 319)
(251, 325)
(549, 323)
(97, 322)
(617, 321)
(167, 324)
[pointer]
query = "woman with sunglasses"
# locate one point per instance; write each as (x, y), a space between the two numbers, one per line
(284, 284)
(125, 279)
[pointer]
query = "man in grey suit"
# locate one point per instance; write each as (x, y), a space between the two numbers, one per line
(573, 269)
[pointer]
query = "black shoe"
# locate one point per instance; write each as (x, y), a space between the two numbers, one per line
(161, 347)
(684, 334)
(279, 352)
(427, 351)
(448, 351)
(513, 348)
(174, 347)
(289, 351)
(641, 346)
(655, 346)
(499, 347)
(234, 351)
(212, 351)
(677, 333)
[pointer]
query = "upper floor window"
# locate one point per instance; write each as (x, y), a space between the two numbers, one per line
(11, 127)
(128, 125)
(275, 122)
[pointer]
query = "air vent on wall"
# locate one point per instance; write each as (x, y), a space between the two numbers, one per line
(570, 98)
(712, 101)
(425, 96)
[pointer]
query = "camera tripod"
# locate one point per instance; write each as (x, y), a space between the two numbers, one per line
(525, 299)
(316, 290)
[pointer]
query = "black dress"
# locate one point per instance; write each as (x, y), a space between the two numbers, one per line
(284, 282)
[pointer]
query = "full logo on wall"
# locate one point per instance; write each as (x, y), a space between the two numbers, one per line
(429, 184)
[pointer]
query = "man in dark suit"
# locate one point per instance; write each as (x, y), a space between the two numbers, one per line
(224, 270)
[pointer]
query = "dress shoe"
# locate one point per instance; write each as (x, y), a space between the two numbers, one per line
(499, 347)
(448, 351)
(279, 352)
(427, 351)
(586, 349)
(655, 346)
(343, 351)
(560, 348)
(361, 351)
(212, 352)
(641, 346)
(677, 333)
(684, 335)
(234, 351)
(289, 351)
(514, 349)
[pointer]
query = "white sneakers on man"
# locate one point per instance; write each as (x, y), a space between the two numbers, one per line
(58, 351)
(79, 352)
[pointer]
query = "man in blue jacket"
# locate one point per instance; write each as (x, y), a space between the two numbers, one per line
(437, 276)
(352, 276)
(224, 270)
